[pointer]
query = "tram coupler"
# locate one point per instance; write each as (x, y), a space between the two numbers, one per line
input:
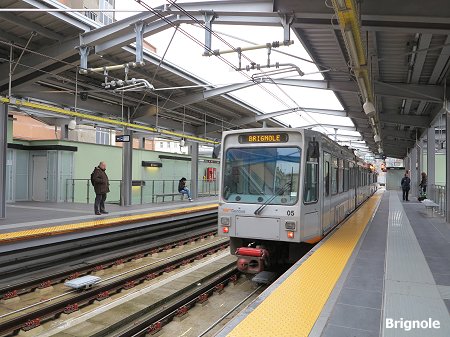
(251, 260)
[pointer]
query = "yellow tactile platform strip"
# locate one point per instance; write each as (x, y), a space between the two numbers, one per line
(293, 308)
(88, 225)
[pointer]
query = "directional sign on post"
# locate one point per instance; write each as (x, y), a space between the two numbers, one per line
(122, 138)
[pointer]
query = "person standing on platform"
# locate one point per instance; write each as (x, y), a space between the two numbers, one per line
(423, 182)
(406, 185)
(100, 181)
(183, 189)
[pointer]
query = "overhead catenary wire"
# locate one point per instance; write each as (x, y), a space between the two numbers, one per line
(232, 47)
(98, 89)
(143, 4)
(68, 63)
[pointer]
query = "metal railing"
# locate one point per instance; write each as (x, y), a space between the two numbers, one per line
(146, 192)
(437, 193)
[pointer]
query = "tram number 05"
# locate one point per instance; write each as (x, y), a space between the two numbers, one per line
(290, 213)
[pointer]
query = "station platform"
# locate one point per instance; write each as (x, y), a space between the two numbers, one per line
(31, 220)
(385, 271)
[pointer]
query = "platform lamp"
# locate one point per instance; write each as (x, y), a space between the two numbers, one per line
(368, 107)
(72, 124)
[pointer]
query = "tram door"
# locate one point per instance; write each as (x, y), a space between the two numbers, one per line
(327, 219)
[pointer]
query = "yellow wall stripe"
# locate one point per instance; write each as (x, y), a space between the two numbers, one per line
(293, 308)
(44, 107)
(88, 225)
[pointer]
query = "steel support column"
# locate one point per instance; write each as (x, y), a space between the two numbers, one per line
(3, 149)
(194, 170)
(413, 168)
(447, 167)
(431, 163)
(127, 169)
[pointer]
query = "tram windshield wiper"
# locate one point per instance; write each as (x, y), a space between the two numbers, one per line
(280, 192)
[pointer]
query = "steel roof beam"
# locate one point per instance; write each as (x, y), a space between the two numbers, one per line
(406, 120)
(261, 117)
(33, 62)
(5, 36)
(31, 26)
(75, 19)
(169, 124)
(425, 92)
(378, 23)
(424, 44)
(206, 94)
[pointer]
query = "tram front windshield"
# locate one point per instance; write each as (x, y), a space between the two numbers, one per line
(260, 175)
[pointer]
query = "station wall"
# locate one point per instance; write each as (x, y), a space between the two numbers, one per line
(439, 167)
(59, 171)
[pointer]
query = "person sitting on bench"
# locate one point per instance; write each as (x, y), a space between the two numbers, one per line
(183, 189)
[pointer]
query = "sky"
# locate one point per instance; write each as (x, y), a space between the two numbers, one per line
(186, 54)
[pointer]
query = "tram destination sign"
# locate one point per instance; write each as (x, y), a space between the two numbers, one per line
(263, 138)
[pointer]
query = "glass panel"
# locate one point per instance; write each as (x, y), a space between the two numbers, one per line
(341, 176)
(52, 175)
(22, 158)
(346, 176)
(334, 176)
(311, 186)
(256, 175)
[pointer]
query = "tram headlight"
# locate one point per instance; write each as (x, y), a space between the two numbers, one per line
(225, 220)
(290, 225)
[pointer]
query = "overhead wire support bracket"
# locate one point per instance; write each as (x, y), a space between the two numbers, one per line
(208, 17)
(83, 50)
(139, 29)
(286, 21)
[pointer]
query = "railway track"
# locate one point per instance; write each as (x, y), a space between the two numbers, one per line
(26, 270)
(68, 304)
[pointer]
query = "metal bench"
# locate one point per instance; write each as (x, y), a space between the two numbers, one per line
(173, 195)
(430, 205)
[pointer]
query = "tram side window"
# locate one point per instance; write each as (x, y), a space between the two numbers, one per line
(311, 182)
(334, 177)
(311, 190)
(346, 176)
(351, 172)
(326, 173)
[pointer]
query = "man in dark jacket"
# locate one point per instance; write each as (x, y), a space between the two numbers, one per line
(101, 186)
(406, 185)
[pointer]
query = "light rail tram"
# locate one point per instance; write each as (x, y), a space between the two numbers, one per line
(282, 190)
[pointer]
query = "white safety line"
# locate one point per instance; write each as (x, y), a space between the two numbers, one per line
(410, 292)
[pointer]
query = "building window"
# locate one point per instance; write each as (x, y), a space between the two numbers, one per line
(91, 15)
(106, 17)
(102, 136)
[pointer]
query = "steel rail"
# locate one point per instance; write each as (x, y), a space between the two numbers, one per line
(32, 320)
(47, 280)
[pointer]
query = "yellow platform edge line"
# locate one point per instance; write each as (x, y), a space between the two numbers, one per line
(293, 308)
(67, 228)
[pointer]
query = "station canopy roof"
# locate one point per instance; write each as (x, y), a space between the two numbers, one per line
(406, 53)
